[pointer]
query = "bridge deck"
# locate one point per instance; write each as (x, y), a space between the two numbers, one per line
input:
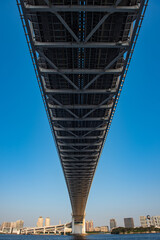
(81, 51)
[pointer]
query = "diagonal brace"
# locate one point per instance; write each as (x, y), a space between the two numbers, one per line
(69, 111)
(107, 99)
(106, 68)
(100, 22)
(63, 22)
(56, 68)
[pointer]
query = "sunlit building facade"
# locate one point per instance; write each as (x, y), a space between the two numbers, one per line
(147, 221)
(40, 222)
(47, 222)
(113, 223)
(128, 223)
(89, 226)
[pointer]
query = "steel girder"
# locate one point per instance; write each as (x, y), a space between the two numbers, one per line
(77, 8)
(81, 54)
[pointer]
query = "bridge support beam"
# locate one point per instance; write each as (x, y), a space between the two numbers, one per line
(78, 225)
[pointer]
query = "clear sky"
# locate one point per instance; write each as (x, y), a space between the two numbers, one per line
(127, 180)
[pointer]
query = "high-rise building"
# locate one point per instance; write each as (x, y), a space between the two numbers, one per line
(19, 224)
(147, 221)
(143, 221)
(47, 222)
(128, 223)
(6, 225)
(12, 227)
(113, 223)
(156, 221)
(40, 222)
(89, 226)
(13, 224)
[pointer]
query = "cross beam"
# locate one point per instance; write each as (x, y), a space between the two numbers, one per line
(77, 8)
(82, 71)
(119, 44)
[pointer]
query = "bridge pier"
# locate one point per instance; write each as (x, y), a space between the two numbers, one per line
(78, 224)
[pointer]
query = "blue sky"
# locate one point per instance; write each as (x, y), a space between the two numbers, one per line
(126, 183)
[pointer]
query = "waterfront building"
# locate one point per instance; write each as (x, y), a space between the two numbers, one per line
(19, 224)
(6, 225)
(97, 229)
(13, 224)
(101, 229)
(89, 226)
(147, 221)
(113, 223)
(104, 229)
(40, 222)
(156, 221)
(12, 227)
(128, 223)
(143, 221)
(47, 222)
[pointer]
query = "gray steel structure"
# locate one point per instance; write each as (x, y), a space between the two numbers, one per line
(81, 51)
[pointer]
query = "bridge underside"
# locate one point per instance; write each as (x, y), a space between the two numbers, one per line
(81, 50)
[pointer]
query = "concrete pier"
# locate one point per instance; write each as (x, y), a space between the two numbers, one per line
(78, 225)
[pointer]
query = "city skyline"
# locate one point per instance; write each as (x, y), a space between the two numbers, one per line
(144, 221)
(29, 160)
(46, 228)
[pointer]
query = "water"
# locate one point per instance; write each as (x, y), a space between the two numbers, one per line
(154, 236)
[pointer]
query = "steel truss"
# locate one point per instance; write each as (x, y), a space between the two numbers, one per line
(81, 54)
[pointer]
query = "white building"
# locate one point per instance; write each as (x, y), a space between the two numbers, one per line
(156, 221)
(40, 222)
(47, 222)
(89, 226)
(19, 224)
(147, 221)
(143, 221)
(104, 229)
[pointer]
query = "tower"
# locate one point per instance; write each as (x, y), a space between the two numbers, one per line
(40, 222)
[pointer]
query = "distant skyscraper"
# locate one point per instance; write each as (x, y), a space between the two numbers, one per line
(143, 221)
(13, 224)
(40, 222)
(128, 223)
(47, 222)
(11, 227)
(156, 221)
(113, 223)
(147, 221)
(19, 224)
(89, 226)
(6, 227)
(6, 224)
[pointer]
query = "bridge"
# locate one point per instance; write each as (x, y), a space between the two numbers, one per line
(81, 51)
(55, 229)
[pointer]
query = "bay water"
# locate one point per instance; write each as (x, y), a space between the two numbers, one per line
(153, 236)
